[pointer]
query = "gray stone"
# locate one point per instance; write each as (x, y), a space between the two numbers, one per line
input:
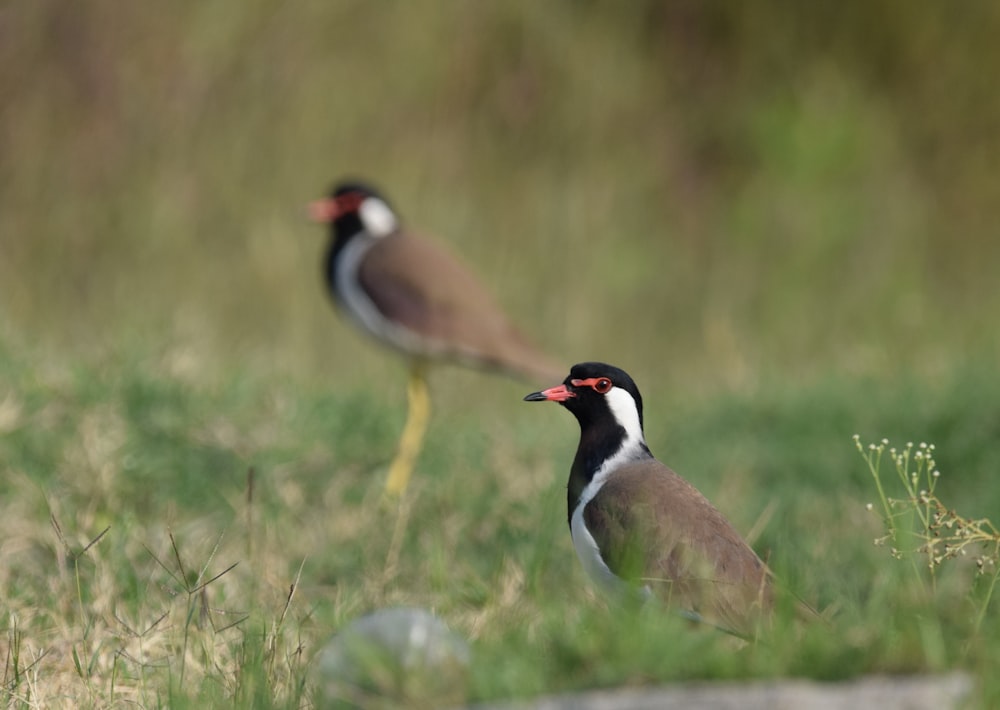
(396, 657)
(869, 693)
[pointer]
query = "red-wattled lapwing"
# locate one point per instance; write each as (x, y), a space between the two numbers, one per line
(416, 297)
(639, 527)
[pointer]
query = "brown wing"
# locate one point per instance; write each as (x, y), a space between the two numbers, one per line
(424, 288)
(659, 530)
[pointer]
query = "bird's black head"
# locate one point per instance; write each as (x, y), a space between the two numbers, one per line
(355, 207)
(596, 392)
(354, 187)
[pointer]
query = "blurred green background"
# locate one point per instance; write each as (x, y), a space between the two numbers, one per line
(699, 191)
(779, 217)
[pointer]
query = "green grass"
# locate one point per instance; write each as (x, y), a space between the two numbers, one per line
(159, 464)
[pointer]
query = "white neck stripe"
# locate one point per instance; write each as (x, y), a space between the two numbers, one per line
(626, 413)
(377, 218)
(359, 307)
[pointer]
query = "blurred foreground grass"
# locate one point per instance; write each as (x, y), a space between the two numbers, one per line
(162, 465)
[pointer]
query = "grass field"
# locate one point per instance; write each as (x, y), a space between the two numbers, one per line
(779, 220)
(127, 488)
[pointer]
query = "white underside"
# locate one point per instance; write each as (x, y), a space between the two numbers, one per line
(361, 309)
(632, 448)
(590, 557)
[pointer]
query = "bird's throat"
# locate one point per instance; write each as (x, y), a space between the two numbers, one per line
(601, 450)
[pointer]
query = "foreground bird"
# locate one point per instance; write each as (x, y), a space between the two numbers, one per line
(414, 296)
(637, 525)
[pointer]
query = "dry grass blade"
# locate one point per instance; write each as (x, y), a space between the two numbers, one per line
(221, 574)
(94, 541)
(163, 566)
(180, 563)
(291, 592)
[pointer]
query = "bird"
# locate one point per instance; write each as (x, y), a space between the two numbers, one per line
(414, 296)
(639, 529)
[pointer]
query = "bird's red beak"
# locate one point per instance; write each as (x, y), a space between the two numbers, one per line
(559, 393)
(325, 210)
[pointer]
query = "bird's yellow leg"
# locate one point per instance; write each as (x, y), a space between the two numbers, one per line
(418, 413)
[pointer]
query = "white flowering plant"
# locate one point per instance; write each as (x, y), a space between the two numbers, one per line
(920, 528)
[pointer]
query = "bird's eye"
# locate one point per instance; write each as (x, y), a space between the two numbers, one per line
(350, 202)
(601, 385)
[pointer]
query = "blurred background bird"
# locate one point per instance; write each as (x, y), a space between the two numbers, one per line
(414, 296)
